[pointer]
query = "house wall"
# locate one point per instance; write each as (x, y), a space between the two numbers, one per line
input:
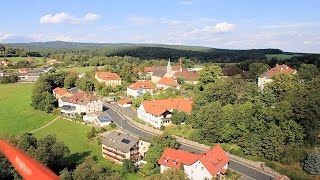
(197, 171)
(143, 147)
(155, 79)
(263, 81)
(138, 92)
(109, 82)
(94, 106)
(149, 118)
(163, 168)
(114, 155)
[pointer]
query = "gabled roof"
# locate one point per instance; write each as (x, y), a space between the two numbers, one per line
(159, 72)
(167, 81)
(81, 98)
(214, 159)
(60, 91)
(174, 157)
(124, 101)
(120, 141)
(279, 69)
(186, 75)
(158, 107)
(141, 85)
(106, 76)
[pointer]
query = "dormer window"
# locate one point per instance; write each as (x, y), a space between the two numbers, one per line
(165, 160)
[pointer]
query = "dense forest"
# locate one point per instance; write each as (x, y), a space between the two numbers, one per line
(142, 51)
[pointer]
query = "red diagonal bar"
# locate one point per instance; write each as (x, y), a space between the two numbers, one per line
(26, 166)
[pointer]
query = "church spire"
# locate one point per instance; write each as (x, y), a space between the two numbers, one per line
(169, 67)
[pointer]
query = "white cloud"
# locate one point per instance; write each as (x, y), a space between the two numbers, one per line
(4, 36)
(220, 27)
(140, 20)
(68, 18)
(186, 3)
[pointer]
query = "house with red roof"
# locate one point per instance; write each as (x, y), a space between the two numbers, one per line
(158, 112)
(24, 70)
(211, 164)
(109, 78)
(80, 103)
(269, 74)
(125, 102)
(140, 87)
(167, 82)
(60, 92)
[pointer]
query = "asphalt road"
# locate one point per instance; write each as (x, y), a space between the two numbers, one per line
(247, 171)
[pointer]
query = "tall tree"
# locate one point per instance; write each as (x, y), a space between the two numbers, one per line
(210, 74)
(257, 69)
(308, 71)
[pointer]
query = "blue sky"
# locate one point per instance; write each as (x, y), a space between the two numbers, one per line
(291, 25)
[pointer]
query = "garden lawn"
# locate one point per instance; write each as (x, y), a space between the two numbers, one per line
(74, 135)
(16, 114)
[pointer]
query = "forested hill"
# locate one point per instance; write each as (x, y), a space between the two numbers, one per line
(148, 51)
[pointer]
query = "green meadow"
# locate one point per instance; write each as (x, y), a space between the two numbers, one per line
(16, 114)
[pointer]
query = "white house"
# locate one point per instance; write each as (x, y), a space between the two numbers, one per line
(140, 87)
(80, 103)
(125, 103)
(158, 112)
(209, 165)
(269, 74)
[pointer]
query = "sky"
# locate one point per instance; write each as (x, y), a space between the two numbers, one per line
(290, 25)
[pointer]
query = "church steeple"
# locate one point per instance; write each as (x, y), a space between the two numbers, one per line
(169, 67)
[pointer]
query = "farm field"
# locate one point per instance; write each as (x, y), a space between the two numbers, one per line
(17, 59)
(16, 114)
(279, 56)
(77, 69)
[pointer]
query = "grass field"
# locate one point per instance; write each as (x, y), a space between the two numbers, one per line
(74, 135)
(77, 69)
(17, 59)
(16, 114)
(279, 56)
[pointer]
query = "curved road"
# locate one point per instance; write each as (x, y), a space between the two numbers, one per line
(246, 171)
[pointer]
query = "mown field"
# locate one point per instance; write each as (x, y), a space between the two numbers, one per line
(17, 59)
(77, 69)
(279, 56)
(16, 114)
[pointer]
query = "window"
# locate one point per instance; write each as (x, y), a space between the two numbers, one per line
(196, 166)
(191, 171)
(202, 168)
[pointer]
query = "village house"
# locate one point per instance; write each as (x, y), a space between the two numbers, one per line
(60, 92)
(23, 70)
(99, 118)
(79, 103)
(5, 62)
(167, 82)
(211, 164)
(174, 72)
(269, 74)
(109, 78)
(118, 146)
(140, 87)
(125, 102)
(158, 112)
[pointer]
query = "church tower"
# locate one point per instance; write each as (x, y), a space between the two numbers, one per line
(169, 67)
